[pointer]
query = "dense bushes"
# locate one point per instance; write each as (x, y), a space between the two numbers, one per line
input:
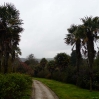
(69, 75)
(68, 72)
(14, 86)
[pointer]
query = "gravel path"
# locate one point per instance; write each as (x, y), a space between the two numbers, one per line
(42, 92)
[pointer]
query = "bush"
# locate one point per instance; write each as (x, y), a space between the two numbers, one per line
(14, 86)
(43, 74)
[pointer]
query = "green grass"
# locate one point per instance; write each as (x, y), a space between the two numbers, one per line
(69, 91)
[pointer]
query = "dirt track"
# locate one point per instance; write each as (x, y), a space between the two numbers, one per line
(42, 92)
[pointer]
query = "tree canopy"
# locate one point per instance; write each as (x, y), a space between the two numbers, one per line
(10, 29)
(62, 60)
(84, 35)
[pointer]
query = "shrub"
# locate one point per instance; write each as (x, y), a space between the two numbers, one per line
(14, 86)
(43, 73)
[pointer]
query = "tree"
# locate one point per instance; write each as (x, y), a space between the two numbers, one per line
(62, 60)
(91, 27)
(10, 29)
(31, 61)
(43, 63)
(73, 39)
(51, 66)
(2, 31)
(24, 68)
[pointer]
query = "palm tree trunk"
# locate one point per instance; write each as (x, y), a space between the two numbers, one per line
(78, 59)
(90, 59)
(90, 47)
(13, 58)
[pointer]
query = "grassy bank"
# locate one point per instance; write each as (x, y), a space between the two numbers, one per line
(68, 91)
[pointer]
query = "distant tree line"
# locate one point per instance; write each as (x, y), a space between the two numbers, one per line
(63, 68)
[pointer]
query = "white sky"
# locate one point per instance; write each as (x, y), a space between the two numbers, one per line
(46, 22)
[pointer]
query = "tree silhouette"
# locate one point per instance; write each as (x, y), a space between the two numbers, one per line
(10, 29)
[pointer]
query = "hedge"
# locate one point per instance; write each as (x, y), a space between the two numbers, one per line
(14, 86)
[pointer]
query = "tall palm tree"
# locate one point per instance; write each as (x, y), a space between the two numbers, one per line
(91, 27)
(1, 44)
(73, 39)
(9, 17)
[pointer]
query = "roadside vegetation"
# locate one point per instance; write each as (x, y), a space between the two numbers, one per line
(63, 68)
(69, 91)
(15, 86)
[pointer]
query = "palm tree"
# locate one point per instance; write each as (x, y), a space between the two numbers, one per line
(1, 44)
(73, 39)
(9, 17)
(91, 27)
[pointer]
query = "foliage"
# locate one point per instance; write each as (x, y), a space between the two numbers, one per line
(51, 67)
(91, 26)
(14, 86)
(33, 65)
(10, 29)
(43, 63)
(24, 68)
(84, 36)
(96, 73)
(43, 74)
(62, 60)
(31, 61)
(73, 39)
(69, 75)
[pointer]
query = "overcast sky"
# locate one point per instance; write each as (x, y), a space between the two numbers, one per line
(46, 22)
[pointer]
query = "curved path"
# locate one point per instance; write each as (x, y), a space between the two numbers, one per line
(42, 92)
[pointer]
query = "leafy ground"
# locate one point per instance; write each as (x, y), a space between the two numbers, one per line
(69, 91)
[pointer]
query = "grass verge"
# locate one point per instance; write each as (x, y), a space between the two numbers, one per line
(69, 91)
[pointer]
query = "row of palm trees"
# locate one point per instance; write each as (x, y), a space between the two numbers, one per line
(10, 29)
(83, 37)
